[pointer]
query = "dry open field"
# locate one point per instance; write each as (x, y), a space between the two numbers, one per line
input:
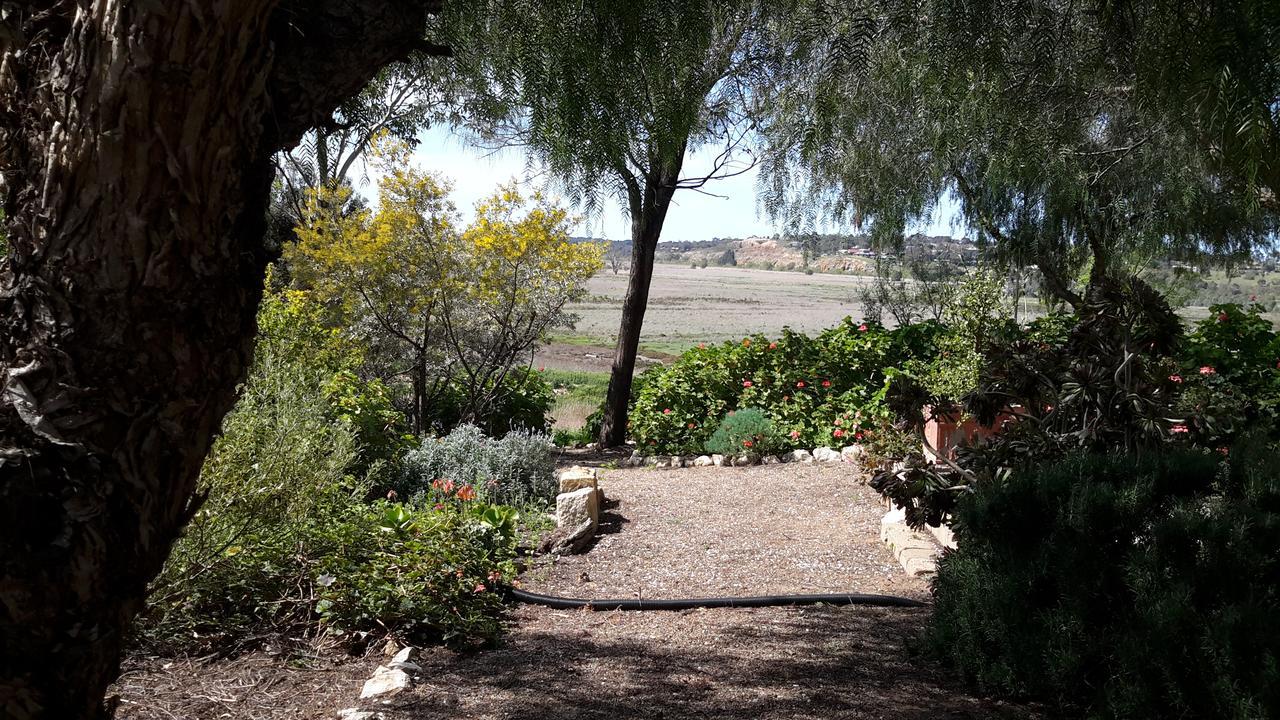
(688, 306)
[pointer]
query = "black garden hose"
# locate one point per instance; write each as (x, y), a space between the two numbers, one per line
(561, 603)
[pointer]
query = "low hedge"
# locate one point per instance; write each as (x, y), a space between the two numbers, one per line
(825, 390)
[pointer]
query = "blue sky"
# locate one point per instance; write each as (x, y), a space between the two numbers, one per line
(694, 216)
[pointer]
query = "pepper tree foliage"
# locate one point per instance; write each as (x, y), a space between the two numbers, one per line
(450, 312)
(1058, 126)
(610, 98)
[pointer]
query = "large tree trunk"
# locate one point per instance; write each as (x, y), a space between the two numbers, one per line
(647, 217)
(135, 146)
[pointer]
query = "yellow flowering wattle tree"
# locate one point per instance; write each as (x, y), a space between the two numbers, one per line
(440, 310)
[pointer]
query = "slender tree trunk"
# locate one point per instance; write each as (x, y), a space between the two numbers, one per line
(135, 146)
(647, 218)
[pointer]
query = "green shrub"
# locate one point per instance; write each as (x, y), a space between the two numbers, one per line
(745, 431)
(817, 391)
(285, 541)
(572, 438)
(518, 469)
(431, 575)
(1125, 587)
(522, 400)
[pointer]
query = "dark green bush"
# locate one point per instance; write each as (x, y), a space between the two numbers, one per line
(1120, 587)
(746, 431)
(522, 400)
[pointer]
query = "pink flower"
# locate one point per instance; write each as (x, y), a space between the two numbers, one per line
(826, 383)
(773, 346)
(1223, 450)
(702, 346)
(542, 369)
(839, 421)
(479, 587)
(1175, 378)
(692, 425)
(747, 383)
(1207, 370)
(1222, 317)
(795, 434)
(800, 384)
(838, 433)
(862, 327)
(858, 437)
(1178, 428)
(494, 576)
(1253, 298)
(666, 411)
(439, 506)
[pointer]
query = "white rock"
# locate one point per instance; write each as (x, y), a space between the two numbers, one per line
(592, 446)
(770, 460)
(744, 460)
(718, 460)
(384, 681)
(577, 507)
(894, 518)
(675, 461)
(578, 477)
(852, 453)
(703, 461)
(802, 456)
(826, 455)
(404, 655)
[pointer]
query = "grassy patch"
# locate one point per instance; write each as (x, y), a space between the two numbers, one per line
(578, 394)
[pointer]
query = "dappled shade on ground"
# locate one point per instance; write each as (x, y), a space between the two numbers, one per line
(690, 532)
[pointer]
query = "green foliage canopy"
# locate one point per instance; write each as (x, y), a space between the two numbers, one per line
(1060, 139)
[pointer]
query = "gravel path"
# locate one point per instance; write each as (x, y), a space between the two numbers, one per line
(669, 533)
(702, 532)
(763, 530)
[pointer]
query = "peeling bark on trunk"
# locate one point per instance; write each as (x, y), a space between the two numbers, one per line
(135, 151)
(647, 217)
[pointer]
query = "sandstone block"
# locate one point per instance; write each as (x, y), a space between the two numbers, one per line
(578, 477)
(574, 508)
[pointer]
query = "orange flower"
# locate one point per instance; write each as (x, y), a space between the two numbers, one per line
(746, 443)
(467, 493)
(746, 342)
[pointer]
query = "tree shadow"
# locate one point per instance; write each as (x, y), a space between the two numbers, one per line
(778, 663)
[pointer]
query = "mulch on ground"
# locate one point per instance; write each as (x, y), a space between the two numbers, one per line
(694, 532)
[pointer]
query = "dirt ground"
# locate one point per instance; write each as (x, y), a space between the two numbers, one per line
(667, 533)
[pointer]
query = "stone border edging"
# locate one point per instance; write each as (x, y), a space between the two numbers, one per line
(917, 552)
(849, 453)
